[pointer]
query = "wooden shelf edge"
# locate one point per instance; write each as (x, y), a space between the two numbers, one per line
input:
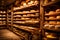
(25, 7)
(48, 4)
(29, 29)
(52, 30)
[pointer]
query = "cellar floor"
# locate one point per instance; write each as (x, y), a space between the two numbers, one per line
(5, 34)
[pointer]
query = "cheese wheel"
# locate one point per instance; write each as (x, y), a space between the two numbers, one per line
(51, 12)
(24, 11)
(27, 18)
(58, 17)
(52, 22)
(24, 4)
(32, 15)
(51, 17)
(31, 2)
(28, 14)
(58, 22)
(4, 18)
(22, 18)
(32, 11)
(24, 15)
(50, 36)
(58, 10)
(0, 18)
(46, 26)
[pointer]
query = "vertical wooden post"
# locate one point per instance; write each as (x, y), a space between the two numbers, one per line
(42, 18)
(12, 17)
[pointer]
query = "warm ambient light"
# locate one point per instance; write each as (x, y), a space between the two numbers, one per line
(31, 2)
(24, 4)
(50, 36)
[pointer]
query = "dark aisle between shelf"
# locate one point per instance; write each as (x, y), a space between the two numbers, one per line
(5, 34)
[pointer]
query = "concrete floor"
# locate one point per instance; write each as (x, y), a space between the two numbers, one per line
(8, 35)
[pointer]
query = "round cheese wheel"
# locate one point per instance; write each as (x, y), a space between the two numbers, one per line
(32, 11)
(58, 10)
(52, 22)
(51, 17)
(51, 12)
(58, 22)
(58, 17)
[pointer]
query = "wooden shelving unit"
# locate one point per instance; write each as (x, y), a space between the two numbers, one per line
(24, 13)
(55, 14)
(9, 18)
(3, 18)
(50, 19)
(24, 7)
(51, 3)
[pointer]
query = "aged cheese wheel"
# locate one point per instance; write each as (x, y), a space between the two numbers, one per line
(24, 15)
(50, 36)
(4, 18)
(58, 17)
(24, 11)
(22, 18)
(32, 15)
(58, 22)
(51, 12)
(31, 2)
(58, 10)
(46, 26)
(36, 2)
(32, 11)
(52, 22)
(51, 17)
(24, 4)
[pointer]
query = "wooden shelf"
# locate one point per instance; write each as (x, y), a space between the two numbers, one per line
(52, 24)
(55, 30)
(2, 20)
(2, 17)
(19, 13)
(2, 13)
(50, 3)
(25, 23)
(24, 19)
(27, 17)
(29, 29)
(19, 19)
(55, 14)
(18, 8)
(55, 19)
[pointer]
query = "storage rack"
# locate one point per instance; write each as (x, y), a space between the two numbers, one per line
(9, 18)
(3, 18)
(25, 20)
(54, 27)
